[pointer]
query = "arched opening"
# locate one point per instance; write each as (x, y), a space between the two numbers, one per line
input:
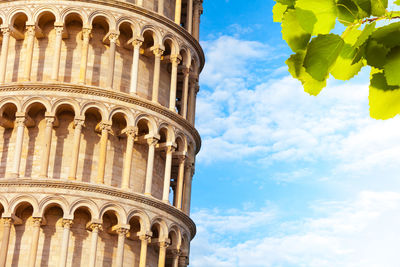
(51, 230)
(80, 238)
(180, 147)
(62, 141)
(123, 58)
(146, 65)
(7, 137)
(180, 93)
(116, 150)
(108, 238)
(97, 69)
(70, 53)
(89, 146)
(172, 248)
(32, 152)
(16, 51)
(140, 154)
(133, 250)
(166, 67)
(20, 236)
(44, 47)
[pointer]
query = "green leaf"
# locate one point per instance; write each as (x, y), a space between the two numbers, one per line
(384, 99)
(378, 7)
(397, 2)
(277, 12)
(366, 33)
(295, 64)
(347, 11)
(388, 35)
(296, 37)
(324, 11)
(286, 2)
(364, 5)
(344, 69)
(322, 53)
(375, 54)
(392, 67)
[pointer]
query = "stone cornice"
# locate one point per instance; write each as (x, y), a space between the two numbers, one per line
(106, 190)
(91, 90)
(149, 14)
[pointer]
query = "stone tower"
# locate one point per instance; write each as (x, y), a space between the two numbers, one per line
(97, 137)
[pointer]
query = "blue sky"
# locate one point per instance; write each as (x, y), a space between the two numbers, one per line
(284, 178)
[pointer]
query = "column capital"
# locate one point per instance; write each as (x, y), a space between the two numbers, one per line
(36, 221)
(122, 231)
(95, 227)
(186, 71)
(7, 221)
(152, 140)
(49, 120)
(5, 30)
(113, 37)
(175, 59)
(137, 42)
(66, 223)
(164, 243)
(158, 52)
(145, 237)
(182, 159)
(59, 29)
(30, 30)
(105, 126)
(170, 148)
(20, 121)
(132, 131)
(86, 33)
(78, 122)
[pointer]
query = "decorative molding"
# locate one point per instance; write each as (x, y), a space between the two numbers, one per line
(96, 91)
(109, 191)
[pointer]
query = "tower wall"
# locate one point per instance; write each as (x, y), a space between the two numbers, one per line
(97, 137)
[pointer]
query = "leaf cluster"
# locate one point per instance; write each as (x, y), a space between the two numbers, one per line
(307, 27)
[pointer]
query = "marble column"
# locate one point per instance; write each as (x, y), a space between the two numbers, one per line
(57, 52)
(185, 91)
(126, 177)
(20, 124)
(167, 173)
(84, 55)
(139, 2)
(162, 253)
(95, 227)
(175, 257)
(34, 242)
(198, 10)
(189, 16)
(7, 222)
(44, 167)
(179, 186)
(156, 74)
(4, 53)
(65, 242)
(135, 65)
(178, 11)
(105, 129)
(175, 60)
(187, 190)
(144, 241)
(111, 62)
(120, 248)
(78, 123)
(30, 39)
(161, 7)
(152, 142)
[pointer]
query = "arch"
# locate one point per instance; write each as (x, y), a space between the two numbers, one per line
(185, 244)
(119, 212)
(72, 10)
(43, 9)
(125, 111)
(174, 43)
(10, 100)
(163, 227)
(99, 106)
(2, 18)
(17, 201)
(37, 99)
(134, 26)
(18, 10)
(176, 240)
(150, 122)
(65, 101)
(4, 203)
(86, 203)
(181, 141)
(186, 56)
(156, 34)
(170, 131)
(144, 219)
(108, 17)
(53, 200)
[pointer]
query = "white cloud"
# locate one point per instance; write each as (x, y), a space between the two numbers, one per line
(247, 115)
(361, 232)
